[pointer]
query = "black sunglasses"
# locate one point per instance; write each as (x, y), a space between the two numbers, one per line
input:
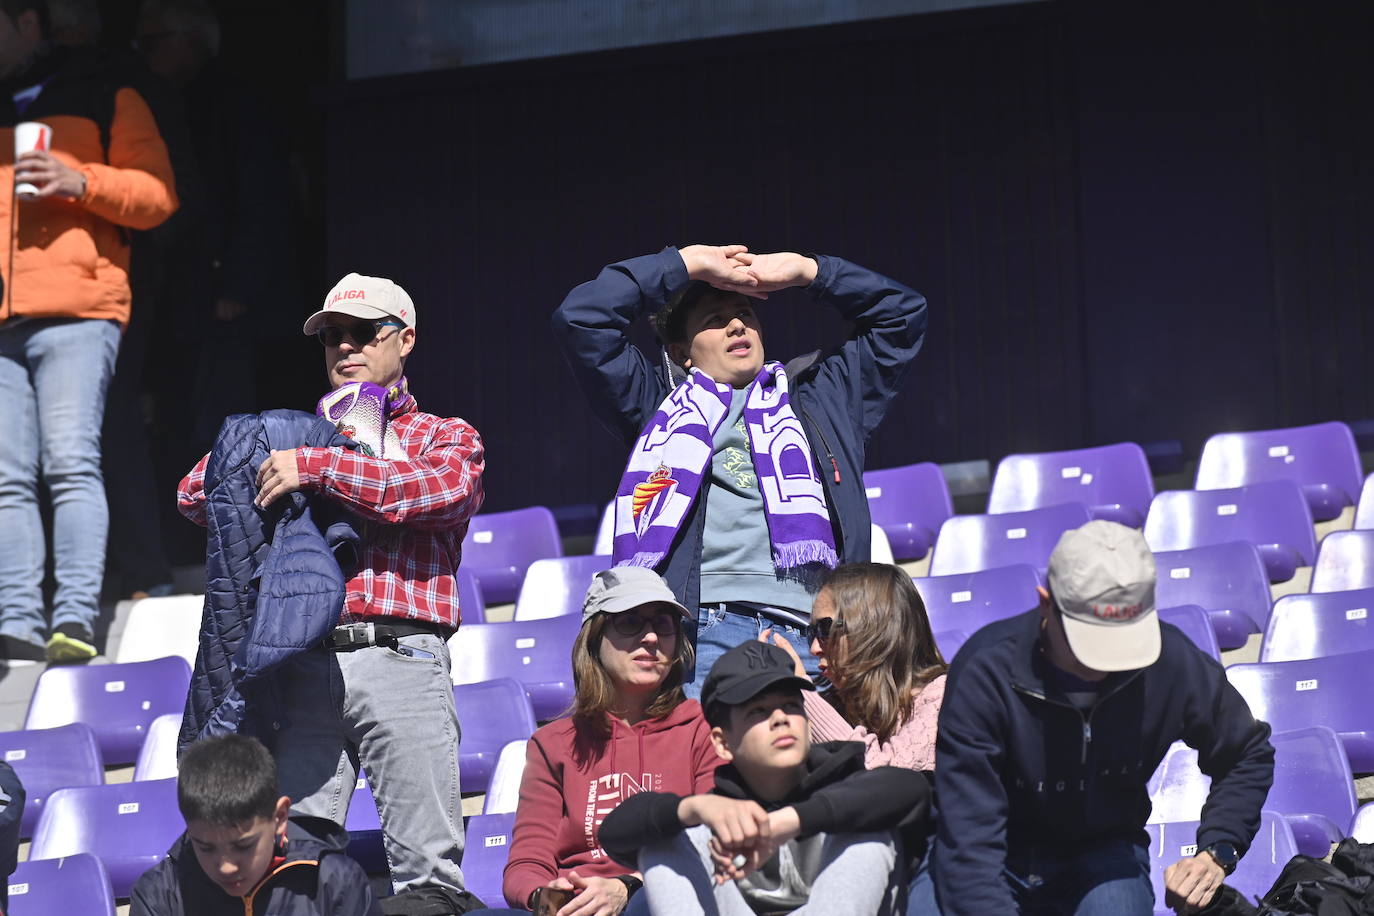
(664, 624)
(362, 332)
(820, 630)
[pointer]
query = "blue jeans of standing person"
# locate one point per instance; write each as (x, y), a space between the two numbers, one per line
(721, 627)
(53, 378)
(1108, 880)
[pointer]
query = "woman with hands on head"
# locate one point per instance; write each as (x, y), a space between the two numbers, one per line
(871, 635)
(630, 729)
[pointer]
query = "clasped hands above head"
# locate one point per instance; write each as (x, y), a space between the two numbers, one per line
(735, 268)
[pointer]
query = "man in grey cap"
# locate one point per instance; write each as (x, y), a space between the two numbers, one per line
(377, 693)
(1052, 723)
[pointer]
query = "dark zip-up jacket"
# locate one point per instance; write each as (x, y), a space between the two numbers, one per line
(837, 795)
(1025, 776)
(316, 879)
(840, 397)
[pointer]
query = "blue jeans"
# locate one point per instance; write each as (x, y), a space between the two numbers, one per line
(1113, 880)
(722, 627)
(53, 378)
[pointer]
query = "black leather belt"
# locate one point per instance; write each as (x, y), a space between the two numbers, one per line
(353, 636)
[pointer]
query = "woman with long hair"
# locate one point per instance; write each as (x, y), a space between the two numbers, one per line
(871, 635)
(630, 729)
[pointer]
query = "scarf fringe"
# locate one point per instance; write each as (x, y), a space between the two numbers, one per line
(799, 553)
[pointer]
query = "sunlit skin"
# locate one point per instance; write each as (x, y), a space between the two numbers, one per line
(1056, 644)
(724, 340)
(238, 858)
(767, 739)
(382, 361)
(637, 665)
(823, 609)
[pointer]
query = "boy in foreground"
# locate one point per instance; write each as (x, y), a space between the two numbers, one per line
(790, 828)
(240, 854)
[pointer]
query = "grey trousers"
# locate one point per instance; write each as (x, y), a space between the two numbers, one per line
(857, 878)
(394, 715)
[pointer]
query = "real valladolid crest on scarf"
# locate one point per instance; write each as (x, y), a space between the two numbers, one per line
(673, 454)
(360, 411)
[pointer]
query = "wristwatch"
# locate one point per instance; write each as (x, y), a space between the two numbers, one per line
(1224, 854)
(631, 883)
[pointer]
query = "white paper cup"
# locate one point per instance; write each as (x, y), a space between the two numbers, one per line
(29, 136)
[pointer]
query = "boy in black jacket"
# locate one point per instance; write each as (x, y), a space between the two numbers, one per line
(790, 828)
(1051, 725)
(240, 856)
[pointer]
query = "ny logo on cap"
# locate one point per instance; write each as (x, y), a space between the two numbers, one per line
(758, 656)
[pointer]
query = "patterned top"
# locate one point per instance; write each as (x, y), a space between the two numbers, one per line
(416, 513)
(911, 746)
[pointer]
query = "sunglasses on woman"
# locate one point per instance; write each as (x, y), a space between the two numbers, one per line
(664, 624)
(362, 332)
(820, 630)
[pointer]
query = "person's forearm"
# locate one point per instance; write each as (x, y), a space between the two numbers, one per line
(640, 820)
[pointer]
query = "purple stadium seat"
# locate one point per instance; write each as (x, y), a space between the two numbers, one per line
(950, 642)
(535, 653)
(1331, 691)
(485, 851)
(1364, 513)
(470, 600)
(1313, 787)
(1322, 459)
(1228, 580)
(1311, 626)
(1273, 847)
(71, 886)
(157, 758)
(118, 702)
(364, 828)
(1195, 624)
(129, 826)
(48, 759)
(969, 543)
(1113, 481)
(491, 714)
(968, 601)
(909, 503)
(1362, 824)
(556, 587)
(1345, 562)
(500, 546)
(1272, 515)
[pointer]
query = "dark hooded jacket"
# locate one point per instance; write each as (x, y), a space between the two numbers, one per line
(840, 397)
(274, 578)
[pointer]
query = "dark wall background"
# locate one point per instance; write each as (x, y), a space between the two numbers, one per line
(1132, 221)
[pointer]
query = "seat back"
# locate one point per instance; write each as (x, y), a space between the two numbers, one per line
(492, 714)
(500, 546)
(1362, 824)
(605, 531)
(1227, 580)
(971, 600)
(503, 796)
(950, 642)
(157, 758)
(158, 627)
(118, 702)
(1322, 459)
(48, 759)
(71, 886)
(555, 587)
(1345, 562)
(1273, 847)
(536, 653)
(485, 851)
(969, 543)
(1195, 624)
(1310, 626)
(129, 826)
(1113, 481)
(1273, 516)
(1364, 513)
(364, 826)
(1331, 691)
(910, 504)
(470, 600)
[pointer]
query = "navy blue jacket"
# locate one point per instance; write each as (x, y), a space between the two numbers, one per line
(1024, 776)
(274, 578)
(840, 397)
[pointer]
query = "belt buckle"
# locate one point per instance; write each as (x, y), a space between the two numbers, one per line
(358, 635)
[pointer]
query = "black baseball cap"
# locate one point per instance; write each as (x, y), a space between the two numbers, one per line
(748, 670)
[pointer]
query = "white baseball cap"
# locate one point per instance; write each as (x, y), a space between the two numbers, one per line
(364, 297)
(1102, 577)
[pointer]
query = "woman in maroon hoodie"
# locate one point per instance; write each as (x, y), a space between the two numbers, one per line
(631, 729)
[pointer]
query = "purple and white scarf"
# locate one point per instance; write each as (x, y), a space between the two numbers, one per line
(673, 455)
(360, 411)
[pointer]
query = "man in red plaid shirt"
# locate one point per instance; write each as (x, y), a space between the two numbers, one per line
(378, 692)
